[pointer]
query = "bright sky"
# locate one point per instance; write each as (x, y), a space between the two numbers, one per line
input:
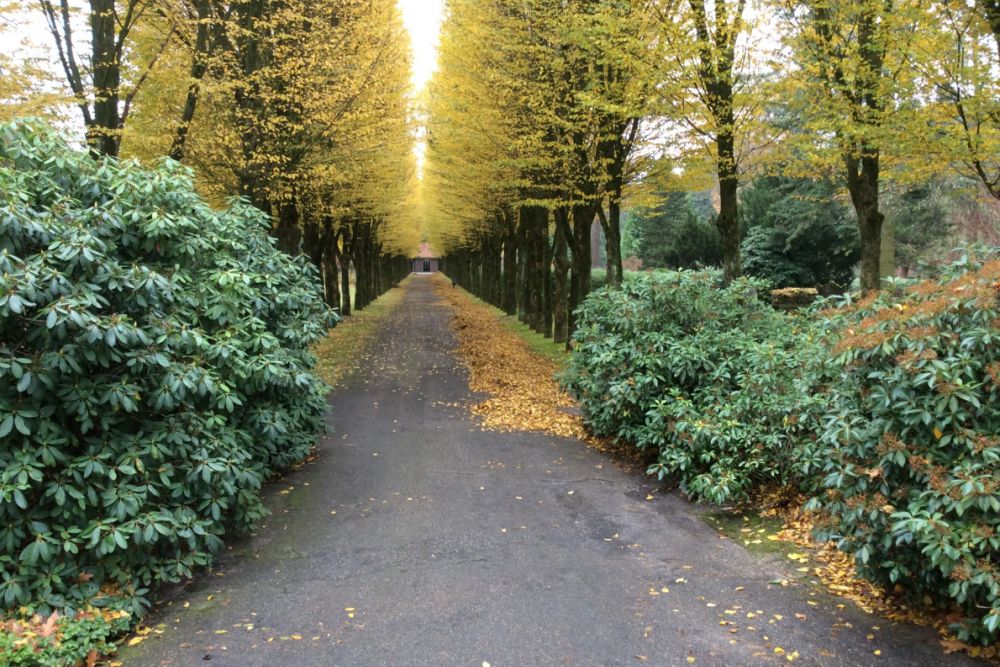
(423, 21)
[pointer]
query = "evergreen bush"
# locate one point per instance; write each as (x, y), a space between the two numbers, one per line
(911, 444)
(153, 372)
(717, 383)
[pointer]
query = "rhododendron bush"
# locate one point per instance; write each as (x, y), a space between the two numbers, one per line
(153, 372)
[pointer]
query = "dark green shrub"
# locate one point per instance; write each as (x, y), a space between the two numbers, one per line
(153, 372)
(797, 233)
(677, 232)
(711, 378)
(912, 443)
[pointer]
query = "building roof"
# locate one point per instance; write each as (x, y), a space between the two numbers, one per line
(426, 252)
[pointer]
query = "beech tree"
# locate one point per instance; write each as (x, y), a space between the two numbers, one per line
(96, 81)
(533, 118)
(853, 90)
(958, 56)
(706, 75)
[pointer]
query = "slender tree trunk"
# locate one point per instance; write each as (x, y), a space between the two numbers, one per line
(199, 65)
(583, 219)
(104, 135)
(331, 272)
(728, 220)
(508, 292)
(546, 280)
(534, 222)
(863, 185)
(523, 252)
(596, 231)
(288, 233)
(560, 276)
(346, 256)
(611, 224)
(312, 242)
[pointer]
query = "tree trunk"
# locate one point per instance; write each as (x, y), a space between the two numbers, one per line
(508, 292)
(331, 272)
(288, 233)
(104, 135)
(534, 221)
(546, 280)
(312, 242)
(613, 239)
(611, 225)
(863, 186)
(583, 219)
(596, 230)
(345, 270)
(522, 266)
(560, 276)
(199, 65)
(728, 220)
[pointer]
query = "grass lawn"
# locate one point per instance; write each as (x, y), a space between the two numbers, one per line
(340, 351)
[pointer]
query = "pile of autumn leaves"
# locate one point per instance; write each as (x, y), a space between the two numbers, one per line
(522, 393)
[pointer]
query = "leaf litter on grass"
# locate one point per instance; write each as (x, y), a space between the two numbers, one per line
(522, 392)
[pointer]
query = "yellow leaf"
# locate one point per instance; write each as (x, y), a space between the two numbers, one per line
(135, 641)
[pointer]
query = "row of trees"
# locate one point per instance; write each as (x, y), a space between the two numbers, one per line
(300, 106)
(545, 114)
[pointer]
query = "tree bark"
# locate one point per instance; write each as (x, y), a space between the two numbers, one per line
(346, 256)
(288, 232)
(331, 272)
(560, 276)
(199, 66)
(523, 252)
(611, 224)
(583, 219)
(863, 185)
(716, 60)
(105, 134)
(508, 293)
(728, 222)
(534, 221)
(546, 279)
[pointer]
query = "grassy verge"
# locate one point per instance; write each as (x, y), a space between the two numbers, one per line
(539, 344)
(338, 354)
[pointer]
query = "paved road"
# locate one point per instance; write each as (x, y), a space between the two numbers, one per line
(417, 539)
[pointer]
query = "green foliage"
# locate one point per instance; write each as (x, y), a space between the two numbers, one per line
(676, 233)
(797, 234)
(921, 223)
(153, 372)
(911, 444)
(711, 378)
(56, 641)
